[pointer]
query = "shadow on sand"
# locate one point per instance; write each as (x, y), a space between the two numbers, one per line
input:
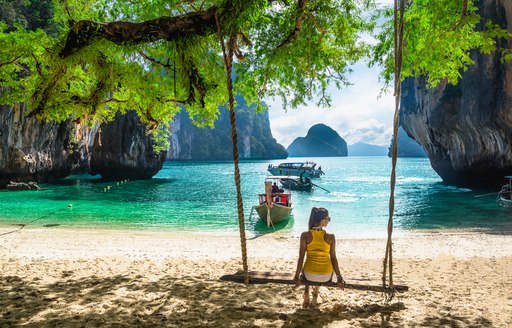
(123, 301)
(133, 301)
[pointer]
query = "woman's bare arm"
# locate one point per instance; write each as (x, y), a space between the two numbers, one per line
(334, 261)
(300, 261)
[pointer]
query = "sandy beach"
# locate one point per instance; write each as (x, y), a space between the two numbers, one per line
(53, 277)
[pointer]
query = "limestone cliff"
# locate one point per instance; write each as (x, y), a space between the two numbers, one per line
(465, 129)
(255, 141)
(124, 150)
(407, 147)
(320, 141)
(33, 150)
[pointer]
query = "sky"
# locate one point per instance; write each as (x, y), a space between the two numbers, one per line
(359, 112)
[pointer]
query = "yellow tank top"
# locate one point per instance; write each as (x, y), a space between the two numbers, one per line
(318, 260)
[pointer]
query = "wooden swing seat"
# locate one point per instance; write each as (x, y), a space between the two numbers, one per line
(261, 277)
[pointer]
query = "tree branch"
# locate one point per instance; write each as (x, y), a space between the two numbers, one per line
(10, 62)
(319, 28)
(66, 6)
(464, 8)
(301, 6)
(172, 100)
(38, 66)
(153, 124)
(156, 62)
(82, 33)
(42, 95)
(195, 81)
(114, 100)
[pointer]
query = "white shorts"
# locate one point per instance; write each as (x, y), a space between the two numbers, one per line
(318, 277)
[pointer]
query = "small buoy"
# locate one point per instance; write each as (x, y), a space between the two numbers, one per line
(70, 205)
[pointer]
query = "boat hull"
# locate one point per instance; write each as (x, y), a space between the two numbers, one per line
(277, 213)
(505, 202)
(296, 185)
(505, 194)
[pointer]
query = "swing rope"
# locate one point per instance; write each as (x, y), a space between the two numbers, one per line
(228, 63)
(398, 51)
(389, 291)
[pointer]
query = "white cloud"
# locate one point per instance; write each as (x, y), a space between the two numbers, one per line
(385, 3)
(357, 114)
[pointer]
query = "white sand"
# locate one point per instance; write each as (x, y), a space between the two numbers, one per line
(52, 277)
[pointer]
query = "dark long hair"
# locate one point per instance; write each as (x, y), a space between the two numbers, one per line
(317, 215)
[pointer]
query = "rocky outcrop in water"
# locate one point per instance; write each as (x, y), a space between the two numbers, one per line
(39, 151)
(123, 150)
(320, 141)
(16, 186)
(31, 150)
(465, 129)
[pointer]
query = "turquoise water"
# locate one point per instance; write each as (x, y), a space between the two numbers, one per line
(201, 196)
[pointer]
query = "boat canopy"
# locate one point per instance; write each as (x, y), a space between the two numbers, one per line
(277, 198)
(296, 165)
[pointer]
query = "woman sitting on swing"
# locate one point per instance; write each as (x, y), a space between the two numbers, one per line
(321, 261)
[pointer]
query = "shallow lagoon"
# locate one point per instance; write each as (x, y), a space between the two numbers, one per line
(201, 196)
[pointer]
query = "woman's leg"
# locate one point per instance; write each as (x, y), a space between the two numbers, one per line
(306, 296)
(316, 289)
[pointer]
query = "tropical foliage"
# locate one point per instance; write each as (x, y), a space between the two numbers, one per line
(439, 37)
(98, 57)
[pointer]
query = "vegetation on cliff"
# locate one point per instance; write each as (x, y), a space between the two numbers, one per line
(156, 56)
(255, 139)
(30, 15)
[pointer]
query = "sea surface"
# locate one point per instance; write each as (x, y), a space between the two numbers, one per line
(201, 196)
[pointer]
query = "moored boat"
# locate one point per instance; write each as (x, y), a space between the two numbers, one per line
(296, 183)
(273, 207)
(304, 169)
(505, 194)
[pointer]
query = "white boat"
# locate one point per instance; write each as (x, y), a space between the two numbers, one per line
(505, 194)
(304, 169)
(274, 207)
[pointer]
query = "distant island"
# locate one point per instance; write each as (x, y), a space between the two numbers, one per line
(407, 147)
(364, 149)
(320, 141)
